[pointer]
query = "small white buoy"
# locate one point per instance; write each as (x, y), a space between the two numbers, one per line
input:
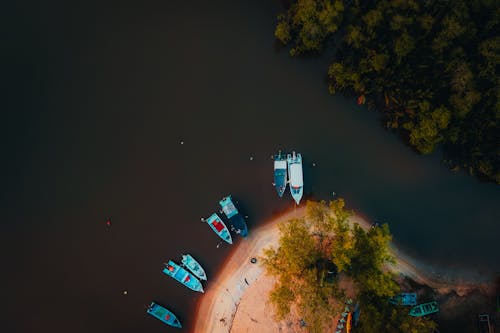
(251, 158)
(314, 164)
(246, 216)
(182, 142)
(125, 292)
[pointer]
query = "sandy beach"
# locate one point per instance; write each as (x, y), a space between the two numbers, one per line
(236, 300)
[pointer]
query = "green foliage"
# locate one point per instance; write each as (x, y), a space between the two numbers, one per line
(398, 54)
(296, 250)
(370, 255)
(301, 279)
(380, 316)
(282, 297)
(307, 23)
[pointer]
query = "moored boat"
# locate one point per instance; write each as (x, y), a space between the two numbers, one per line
(183, 276)
(404, 299)
(424, 309)
(163, 314)
(280, 173)
(218, 226)
(296, 178)
(234, 217)
(194, 266)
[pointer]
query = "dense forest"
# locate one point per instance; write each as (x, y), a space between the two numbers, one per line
(430, 67)
(312, 248)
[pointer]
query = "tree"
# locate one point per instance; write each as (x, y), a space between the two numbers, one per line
(395, 55)
(307, 23)
(301, 279)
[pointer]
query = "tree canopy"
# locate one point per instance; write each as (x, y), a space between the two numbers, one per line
(304, 281)
(430, 67)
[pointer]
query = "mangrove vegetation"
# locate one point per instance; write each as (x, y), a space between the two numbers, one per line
(430, 67)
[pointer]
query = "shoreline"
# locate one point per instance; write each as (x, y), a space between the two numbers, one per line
(236, 299)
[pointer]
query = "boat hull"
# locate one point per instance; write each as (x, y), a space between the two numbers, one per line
(280, 174)
(163, 314)
(234, 217)
(218, 226)
(424, 309)
(183, 276)
(294, 162)
(194, 266)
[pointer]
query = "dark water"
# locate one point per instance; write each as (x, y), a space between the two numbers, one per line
(98, 97)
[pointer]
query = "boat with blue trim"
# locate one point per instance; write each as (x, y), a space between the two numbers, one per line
(407, 299)
(218, 226)
(183, 276)
(424, 309)
(280, 173)
(164, 315)
(190, 263)
(229, 209)
(294, 162)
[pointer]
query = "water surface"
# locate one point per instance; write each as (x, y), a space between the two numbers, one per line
(98, 100)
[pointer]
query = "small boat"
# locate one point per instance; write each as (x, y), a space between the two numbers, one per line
(280, 173)
(195, 268)
(183, 276)
(215, 222)
(234, 216)
(164, 315)
(295, 173)
(404, 299)
(424, 309)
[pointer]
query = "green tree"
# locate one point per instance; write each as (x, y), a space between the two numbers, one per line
(307, 23)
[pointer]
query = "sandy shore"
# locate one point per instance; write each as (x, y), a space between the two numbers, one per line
(236, 300)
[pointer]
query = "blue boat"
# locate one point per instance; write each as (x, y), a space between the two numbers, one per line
(296, 179)
(234, 216)
(164, 315)
(280, 174)
(424, 309)
(407, 299)
(215, 222)
(183, 276)
(190, 263)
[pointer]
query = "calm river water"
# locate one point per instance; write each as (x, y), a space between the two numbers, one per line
(99, 97)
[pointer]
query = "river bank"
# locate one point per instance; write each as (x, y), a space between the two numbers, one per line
(237, 299)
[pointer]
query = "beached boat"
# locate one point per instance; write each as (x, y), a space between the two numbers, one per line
(215, 222)
(424, 309)
(234, 216)
(195, 268)
(164, 315)
(404, 299)
(295, 173)
(183, 276)
(280, 173)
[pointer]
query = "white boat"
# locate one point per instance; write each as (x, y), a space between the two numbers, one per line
(194, 266)
(295, 174)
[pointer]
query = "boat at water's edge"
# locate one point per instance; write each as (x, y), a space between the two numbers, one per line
(218, 226)
(280, 173)
(294, 162)
(194, 266)
(234, 217)
(164, 315)
(424, 309)
(183, 276)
